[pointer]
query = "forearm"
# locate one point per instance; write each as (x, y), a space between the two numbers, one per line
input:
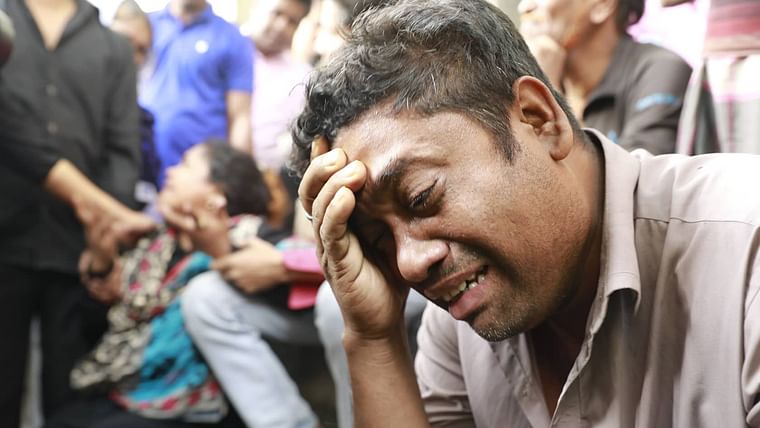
(385, 390)
(239, 130)
(67, 183)
(240, 134)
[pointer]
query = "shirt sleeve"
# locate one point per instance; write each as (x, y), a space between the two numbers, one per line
(439, 372)
(654, 103)
(239, 64)
(122, 130)
(751, 367)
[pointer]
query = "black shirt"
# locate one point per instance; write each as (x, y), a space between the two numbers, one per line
(638, 103)
(79, 103)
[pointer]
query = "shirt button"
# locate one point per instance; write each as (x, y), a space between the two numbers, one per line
(51, 90)
(52, 128)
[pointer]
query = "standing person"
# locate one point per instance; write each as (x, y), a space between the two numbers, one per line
(131, 22)
(631, 92)
(276, 99)
(76, 82)
(572, 283)
(201, 82)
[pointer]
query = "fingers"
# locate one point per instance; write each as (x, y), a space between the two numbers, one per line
(319, 146)
(84, 264)
(212, 214)
(342, 256)
(351, 178)
(133, 224)
(319, 171)
(177, 215)
(222, 264)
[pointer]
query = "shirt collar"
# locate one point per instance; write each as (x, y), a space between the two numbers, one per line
(619, 266)
(613, 76)
(204, 16)
(85, 12)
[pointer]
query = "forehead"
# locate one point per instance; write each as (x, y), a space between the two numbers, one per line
(292, 7)
(381, 137)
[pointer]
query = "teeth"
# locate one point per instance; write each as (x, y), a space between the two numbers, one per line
(470, 283)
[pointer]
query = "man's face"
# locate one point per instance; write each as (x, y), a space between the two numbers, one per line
(496, 243)
(565, 21)
(276, 24)
(190, 6)
(139, 34)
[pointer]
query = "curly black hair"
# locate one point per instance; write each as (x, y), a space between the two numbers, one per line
(424, 56)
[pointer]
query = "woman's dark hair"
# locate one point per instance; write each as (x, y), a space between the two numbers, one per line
(239, 178)
(628, 13)
(425, 57)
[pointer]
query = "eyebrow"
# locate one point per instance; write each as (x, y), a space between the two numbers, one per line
(389, 175)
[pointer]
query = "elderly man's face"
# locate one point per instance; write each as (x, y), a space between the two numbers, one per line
(276, 23)
(494, 242)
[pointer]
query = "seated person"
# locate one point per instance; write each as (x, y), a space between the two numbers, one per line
(632, 92)
(145, 367)
(261, 290)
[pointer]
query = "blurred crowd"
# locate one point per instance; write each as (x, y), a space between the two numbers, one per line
(150, 219)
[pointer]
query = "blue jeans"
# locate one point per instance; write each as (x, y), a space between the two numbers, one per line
(228, 327)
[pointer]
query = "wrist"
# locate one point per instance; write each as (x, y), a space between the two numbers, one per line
(377, 351)
(100, 268)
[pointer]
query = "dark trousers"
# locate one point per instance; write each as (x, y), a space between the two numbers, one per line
(103, 413)
(70, 323)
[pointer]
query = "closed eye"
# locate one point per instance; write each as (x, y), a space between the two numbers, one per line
(420, 201)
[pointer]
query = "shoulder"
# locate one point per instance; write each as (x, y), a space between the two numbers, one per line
(224, 28)
(652, 59)
(707, 188)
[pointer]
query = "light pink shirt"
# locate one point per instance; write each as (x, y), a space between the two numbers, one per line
(278, 97)
(673, 335)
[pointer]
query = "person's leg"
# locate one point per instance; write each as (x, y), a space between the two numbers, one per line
(329, 322)
(18, 301)
(227, 327)
(68, 317)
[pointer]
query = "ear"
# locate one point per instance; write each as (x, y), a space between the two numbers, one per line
(601, 10)
(537, 109)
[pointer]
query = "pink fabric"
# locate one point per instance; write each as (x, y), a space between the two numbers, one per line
(680, 29)
(278, 96)
(302, 295)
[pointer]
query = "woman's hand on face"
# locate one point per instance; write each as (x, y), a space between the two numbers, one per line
(372, 308)
(210, 226)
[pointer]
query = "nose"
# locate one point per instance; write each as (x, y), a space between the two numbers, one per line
(526, 6)
(416, 257)
(280, 23)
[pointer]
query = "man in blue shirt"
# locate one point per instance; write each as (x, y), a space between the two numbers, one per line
(201, 83)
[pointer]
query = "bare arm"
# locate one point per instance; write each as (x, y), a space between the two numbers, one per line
(384, 386)
(67, 183)
(382, 378)
(239, 120)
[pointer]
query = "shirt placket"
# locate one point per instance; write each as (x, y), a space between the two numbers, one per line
(515, 360)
